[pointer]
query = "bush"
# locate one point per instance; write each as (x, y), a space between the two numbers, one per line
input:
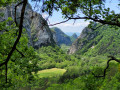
(48, 65)
(71, 73)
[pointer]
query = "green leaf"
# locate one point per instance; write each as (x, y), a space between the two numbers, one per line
(10, 19)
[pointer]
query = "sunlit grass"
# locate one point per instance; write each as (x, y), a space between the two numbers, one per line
(51, 72)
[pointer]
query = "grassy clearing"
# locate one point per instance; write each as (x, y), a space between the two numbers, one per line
(51, 72)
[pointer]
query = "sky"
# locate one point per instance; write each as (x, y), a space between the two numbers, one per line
(70, 26)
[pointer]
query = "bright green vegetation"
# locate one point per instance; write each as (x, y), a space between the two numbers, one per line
(53, 68)
(64, 47)
(79, 68)
(63, 40)
(75, 71)
(20, 66)
(105, 41)
(79, 77)
(52, 57)
(53, 72)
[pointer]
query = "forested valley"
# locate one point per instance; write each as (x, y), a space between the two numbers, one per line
(34, 56)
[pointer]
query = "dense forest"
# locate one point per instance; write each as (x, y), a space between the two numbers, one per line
(33, 58)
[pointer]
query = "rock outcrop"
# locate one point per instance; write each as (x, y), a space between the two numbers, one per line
(37, 28)
(81, 41)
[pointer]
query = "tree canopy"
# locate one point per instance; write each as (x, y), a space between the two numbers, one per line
(94, 10)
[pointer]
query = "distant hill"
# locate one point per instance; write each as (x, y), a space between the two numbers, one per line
(61, 37)
(71, 33)
(103, 41)
(73, 37)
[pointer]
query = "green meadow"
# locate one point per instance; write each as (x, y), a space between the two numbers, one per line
(53, 72)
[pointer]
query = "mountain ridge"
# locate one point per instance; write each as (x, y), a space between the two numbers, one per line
(61, 37)
(103, 41)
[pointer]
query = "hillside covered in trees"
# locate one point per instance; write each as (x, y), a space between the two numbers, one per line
(31, 58)
(101, 41)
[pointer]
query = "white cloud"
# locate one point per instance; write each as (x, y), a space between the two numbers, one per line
(80, 24)
(69, 27)
(76, 24)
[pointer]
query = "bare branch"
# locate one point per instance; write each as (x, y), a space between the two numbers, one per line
(74, 21)
(19, 35)
(97, 20)
(111, 59)
(16, 9)
(20, 52)
(105, 22)
(59, 22)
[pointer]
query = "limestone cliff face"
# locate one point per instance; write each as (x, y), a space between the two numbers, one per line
(37, 28)
(60, 37)
(79, 43)
(40, 32)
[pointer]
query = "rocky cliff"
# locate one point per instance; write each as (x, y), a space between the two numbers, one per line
(61, 37)
(37, 28)
(101, 41)
(80, 42)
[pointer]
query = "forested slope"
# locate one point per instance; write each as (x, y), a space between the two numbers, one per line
(61, 37)
(101, 41)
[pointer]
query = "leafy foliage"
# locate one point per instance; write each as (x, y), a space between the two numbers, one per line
(23, 60)
(103, 41)
(54, 57)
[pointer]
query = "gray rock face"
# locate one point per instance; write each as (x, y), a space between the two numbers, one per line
(36, 27)
(79, 42)
(61, 37)
(85, 32)
(40, 32)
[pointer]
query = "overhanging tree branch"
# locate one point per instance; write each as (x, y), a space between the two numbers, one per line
(97, 20)
(16, 10)
(19, 35)
(111, 59)
(20, 52)
(59, 22)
